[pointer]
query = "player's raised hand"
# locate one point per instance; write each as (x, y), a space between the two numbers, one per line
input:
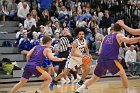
(120, 22)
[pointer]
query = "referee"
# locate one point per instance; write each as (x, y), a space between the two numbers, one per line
(64, 42)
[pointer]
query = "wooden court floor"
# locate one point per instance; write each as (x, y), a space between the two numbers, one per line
(102, 86)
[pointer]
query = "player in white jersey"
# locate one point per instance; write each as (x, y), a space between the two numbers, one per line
(75, 59)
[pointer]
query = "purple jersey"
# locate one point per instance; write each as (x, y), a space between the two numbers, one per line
(110, 47)
(37, 56)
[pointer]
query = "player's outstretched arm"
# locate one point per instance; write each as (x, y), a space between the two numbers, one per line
(122, 38)
(128, 29)
(49, 54)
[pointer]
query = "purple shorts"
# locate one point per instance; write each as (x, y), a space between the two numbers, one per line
(29, 70)
(113, 66)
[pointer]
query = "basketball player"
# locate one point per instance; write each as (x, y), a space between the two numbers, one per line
(128, 29)
(35, 58)
(75, 58)
(109, 51)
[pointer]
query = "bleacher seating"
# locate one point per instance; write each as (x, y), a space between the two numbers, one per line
(8, 32)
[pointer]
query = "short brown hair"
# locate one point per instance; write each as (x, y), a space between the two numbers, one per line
(117, 27)
(46, 39)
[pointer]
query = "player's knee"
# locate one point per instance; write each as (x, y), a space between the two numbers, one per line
(121, 72)
(22, 82)
(49, 79)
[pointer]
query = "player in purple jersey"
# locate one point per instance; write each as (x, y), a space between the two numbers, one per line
(33, 66)
(107, 60)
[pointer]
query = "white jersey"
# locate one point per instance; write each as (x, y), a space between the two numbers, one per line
(72, 60)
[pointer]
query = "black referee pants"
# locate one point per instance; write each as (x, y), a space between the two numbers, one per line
(62, 64)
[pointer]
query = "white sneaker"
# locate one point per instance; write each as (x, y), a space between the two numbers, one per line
(127, 90)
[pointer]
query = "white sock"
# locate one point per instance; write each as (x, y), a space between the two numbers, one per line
(80, 89)
(126, 90)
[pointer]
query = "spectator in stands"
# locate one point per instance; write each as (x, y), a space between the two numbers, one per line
(73, 19)
(20, 4)
(59, 4)
(29, 22)
(19, 34)
(5, 11)
(99, 13)
(44, 17)
(30, 32)
(54, 12)
(41, 33)
(24, 44)
(22, 12)
(98, 39)
(56, 27)
(80, 22)
(130, 59)
(110, 29)
(34, 41)
(35, 7)
(12, 7)
(63, 11)
(104, 31)
(107, 20)
(55, 40)
(34, 15)
(63, 25)
(49, 28)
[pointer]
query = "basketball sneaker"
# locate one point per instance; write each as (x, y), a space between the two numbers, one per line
(80, 83)
(51, 85)
(37, 91)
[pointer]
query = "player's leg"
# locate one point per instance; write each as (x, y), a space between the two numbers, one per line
(119, 69)
(69, 65)
(98, 72)
(43, 75)
(63, 74)
(47, 80)
(88, 83)
(123, 78)
(22, 82)
(84, 74)
(25, 76)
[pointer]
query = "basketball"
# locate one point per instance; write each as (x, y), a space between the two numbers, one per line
(86, 60)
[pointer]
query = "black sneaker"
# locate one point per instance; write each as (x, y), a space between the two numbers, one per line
(77, 92)
(37, 92)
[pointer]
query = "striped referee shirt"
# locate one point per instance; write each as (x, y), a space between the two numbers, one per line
(64, 41)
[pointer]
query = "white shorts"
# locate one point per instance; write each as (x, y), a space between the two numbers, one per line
(71, 63)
